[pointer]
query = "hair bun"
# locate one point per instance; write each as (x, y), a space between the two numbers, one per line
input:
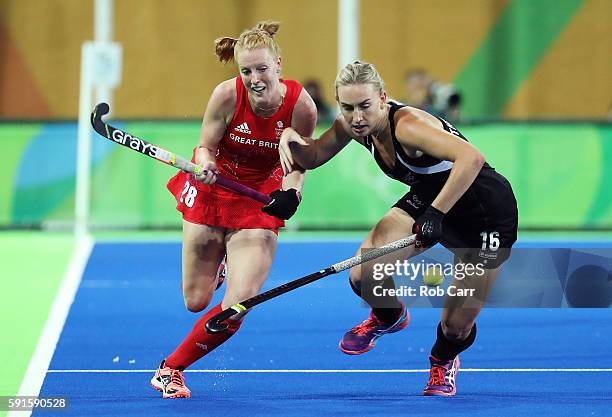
(268, 26)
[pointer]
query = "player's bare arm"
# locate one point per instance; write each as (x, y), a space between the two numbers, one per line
(217, 117)
(303, 121)
(310, 153)
(417, 134)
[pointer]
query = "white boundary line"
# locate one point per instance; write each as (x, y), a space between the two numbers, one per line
(43, 353)
(322, 371)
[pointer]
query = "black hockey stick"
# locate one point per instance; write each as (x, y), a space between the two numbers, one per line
(140, 145)
(216, 323)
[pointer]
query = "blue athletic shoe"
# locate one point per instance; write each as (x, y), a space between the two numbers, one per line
(362, 337)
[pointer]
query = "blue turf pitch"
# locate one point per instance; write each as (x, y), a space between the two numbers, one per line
(128, 315)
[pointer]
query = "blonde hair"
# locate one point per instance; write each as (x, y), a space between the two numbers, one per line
(261, 36)
(359, 73)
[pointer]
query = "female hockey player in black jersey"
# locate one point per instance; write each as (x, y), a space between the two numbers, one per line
(455, 198)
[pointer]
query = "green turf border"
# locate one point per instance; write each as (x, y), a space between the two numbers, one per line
(33, 266)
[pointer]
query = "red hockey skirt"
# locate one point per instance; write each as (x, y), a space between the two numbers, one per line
(213, 205)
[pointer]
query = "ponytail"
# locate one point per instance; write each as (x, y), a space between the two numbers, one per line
(224, 49)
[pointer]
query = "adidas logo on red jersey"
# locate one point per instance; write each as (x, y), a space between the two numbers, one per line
(243, 128)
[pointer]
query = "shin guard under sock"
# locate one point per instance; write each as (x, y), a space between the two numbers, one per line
(199, 342)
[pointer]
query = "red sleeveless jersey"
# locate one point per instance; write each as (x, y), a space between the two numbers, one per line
(248, 154)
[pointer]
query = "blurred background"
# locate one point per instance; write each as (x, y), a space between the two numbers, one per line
(527, 81)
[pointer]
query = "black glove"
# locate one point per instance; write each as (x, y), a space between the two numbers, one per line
(428, 228)
(284, 203)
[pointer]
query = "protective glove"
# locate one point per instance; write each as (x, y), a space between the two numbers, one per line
(428, 228)
(284, 203)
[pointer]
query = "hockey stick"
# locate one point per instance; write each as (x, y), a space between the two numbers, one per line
(216, 325)
(139, 145)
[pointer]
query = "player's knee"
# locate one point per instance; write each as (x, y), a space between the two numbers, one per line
(195, 302)
(377, 242)
(456, 331)
(196, 297)
(355, 276)
(195, 306)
